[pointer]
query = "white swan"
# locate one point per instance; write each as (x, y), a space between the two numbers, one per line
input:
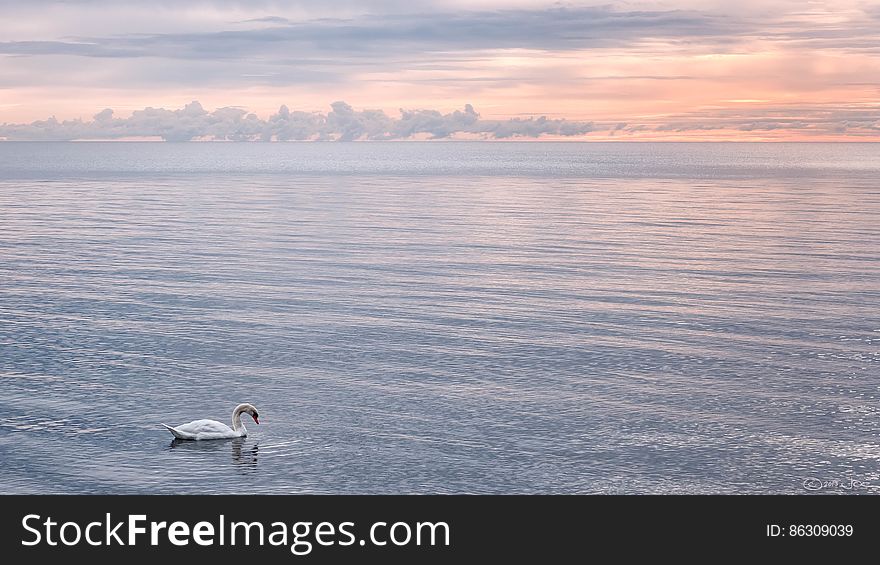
(212, 429)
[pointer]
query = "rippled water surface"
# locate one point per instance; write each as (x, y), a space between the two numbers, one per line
(440, 317)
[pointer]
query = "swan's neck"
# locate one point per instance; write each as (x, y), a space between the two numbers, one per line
(237, 424)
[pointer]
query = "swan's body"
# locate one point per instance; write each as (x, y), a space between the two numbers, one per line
(212, 429)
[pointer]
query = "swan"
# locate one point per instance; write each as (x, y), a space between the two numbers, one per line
(212, 429)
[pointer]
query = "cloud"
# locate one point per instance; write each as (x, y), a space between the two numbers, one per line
(557, 28)
(273, 49)
(345, 123)
(267, 20)
(390, 32)
(341, 123)
(438, 125)
(84, 49)
(857, 120)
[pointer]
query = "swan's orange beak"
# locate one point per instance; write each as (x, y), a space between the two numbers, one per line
(256, 419)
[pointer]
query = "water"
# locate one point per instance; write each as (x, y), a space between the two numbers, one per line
(441, 317)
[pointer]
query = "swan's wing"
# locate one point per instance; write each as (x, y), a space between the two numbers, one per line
(203, 429)
(177, 433)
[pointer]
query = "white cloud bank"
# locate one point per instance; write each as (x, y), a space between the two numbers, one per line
(342, 123)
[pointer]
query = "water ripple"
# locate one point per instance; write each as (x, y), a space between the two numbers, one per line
(563, 321)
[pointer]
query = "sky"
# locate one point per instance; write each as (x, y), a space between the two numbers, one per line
(479, 69)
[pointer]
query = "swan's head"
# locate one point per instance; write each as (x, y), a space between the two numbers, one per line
(248, 409)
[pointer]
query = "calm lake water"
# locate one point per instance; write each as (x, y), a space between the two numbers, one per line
(440, 317)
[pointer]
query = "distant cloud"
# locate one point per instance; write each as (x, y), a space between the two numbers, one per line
(345, 123)
(81, 48)
(267, 20)
(858, 120)
(342, 123)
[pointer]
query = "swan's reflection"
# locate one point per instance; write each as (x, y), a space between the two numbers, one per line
(244, 456)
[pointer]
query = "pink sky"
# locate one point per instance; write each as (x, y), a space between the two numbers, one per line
(635, 70)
